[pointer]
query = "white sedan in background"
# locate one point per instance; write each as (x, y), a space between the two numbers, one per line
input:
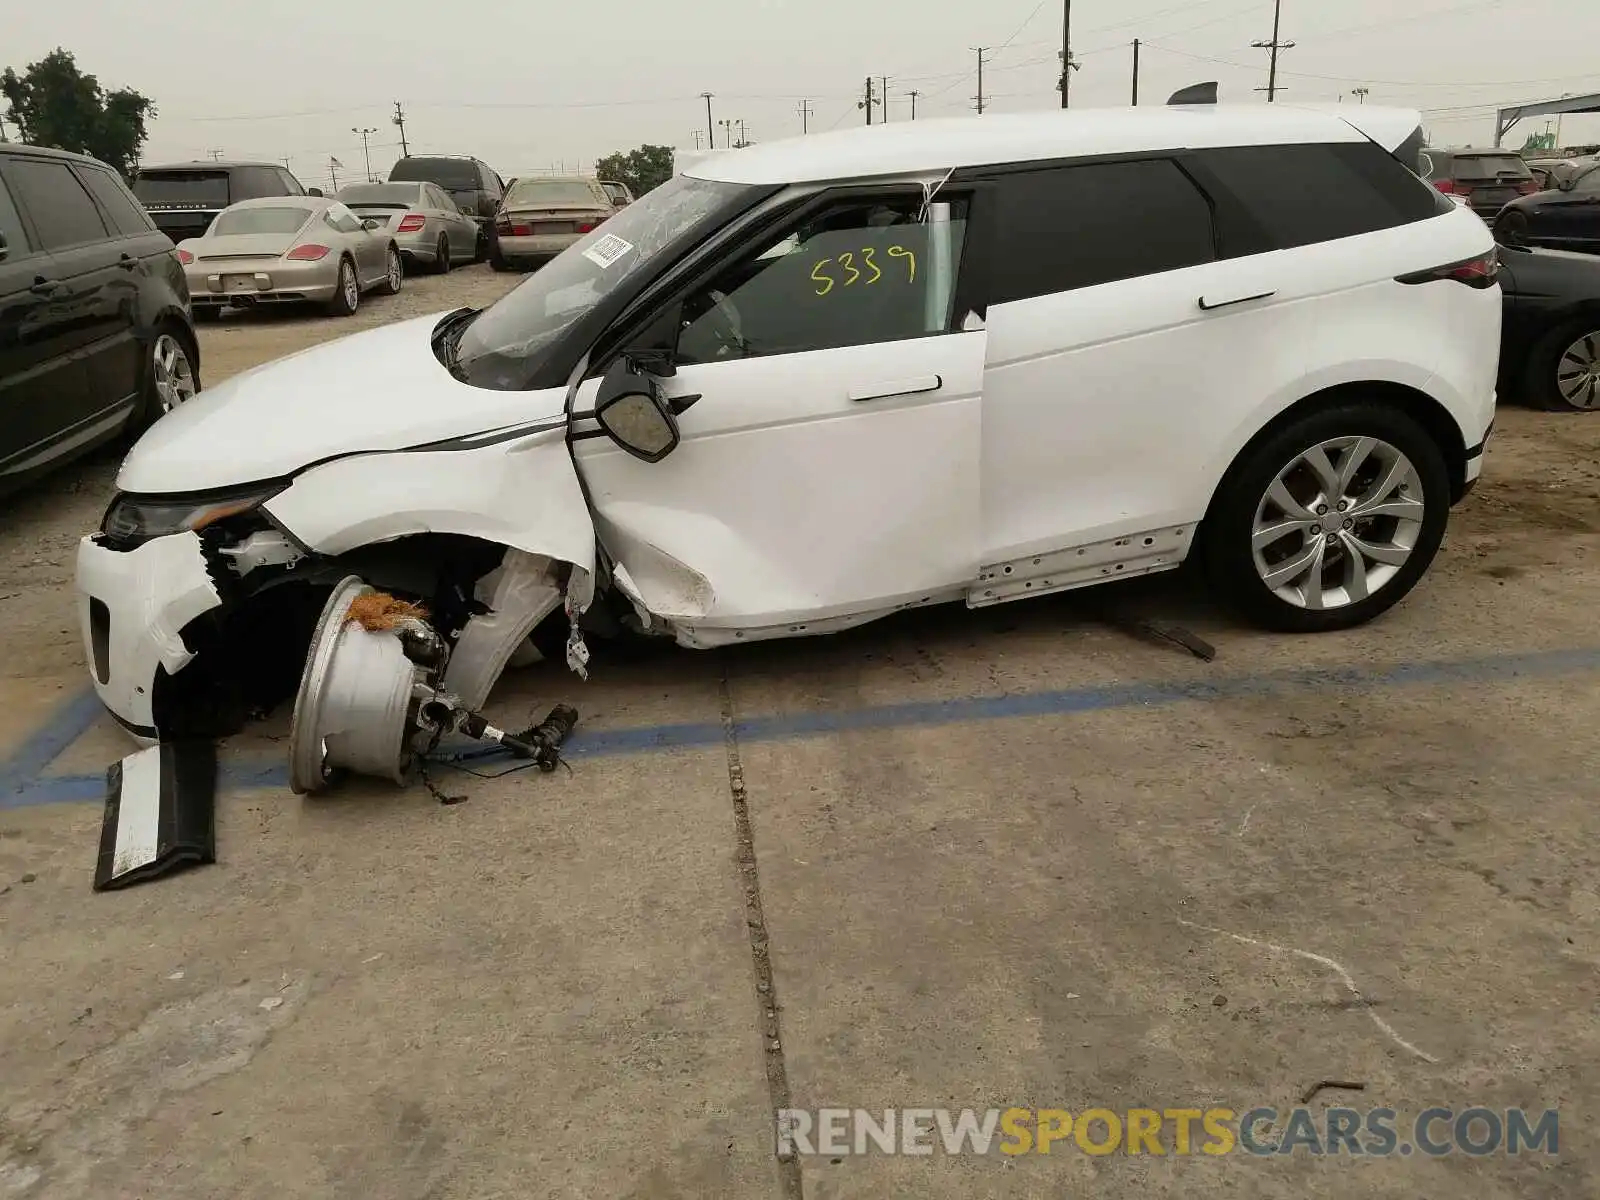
(427, 225)
(289, 249)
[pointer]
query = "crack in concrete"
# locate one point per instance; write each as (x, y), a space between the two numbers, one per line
(766, 990)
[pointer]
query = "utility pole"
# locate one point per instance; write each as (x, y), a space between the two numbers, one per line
(400, 120)
(1360, 94)
(711, 134)
(1066, 49)
(1136, 71)
(868, 101)
(333, 170)
(1274, 46)
(216, 155)
(727, 133)
(914, 94)
(980, 51)
(744, 139)
(805, 116)
(883, 98)
(697, 139)
(366, 152)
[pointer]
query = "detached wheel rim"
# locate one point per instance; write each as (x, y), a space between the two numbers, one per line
(1578, 372)
(174, 375)
(1338, 523)
(394, 270)
(352, 289)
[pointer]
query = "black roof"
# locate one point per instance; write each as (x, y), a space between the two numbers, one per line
(49, 152)
(205, 164)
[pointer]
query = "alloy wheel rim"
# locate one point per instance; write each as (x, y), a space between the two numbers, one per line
(352, 292)
(1338, 523)
(394, 271)
(174, 376)
(1578, 372)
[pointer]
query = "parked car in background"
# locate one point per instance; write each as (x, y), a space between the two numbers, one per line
(184, 198)
(542, 215)
(470, 182)
(1564, 218)
(1550, 334)
(619, 193)
(290, 249)
(95, 333)
(421, 217)
(1487, 178)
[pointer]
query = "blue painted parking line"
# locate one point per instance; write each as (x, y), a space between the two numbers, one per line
(22, 782)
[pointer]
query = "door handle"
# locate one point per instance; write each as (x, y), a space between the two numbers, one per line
(127, 262)
(1207, 303)
(44, 287)
(898, 387)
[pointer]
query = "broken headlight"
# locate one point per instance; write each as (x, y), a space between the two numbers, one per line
(134, 519)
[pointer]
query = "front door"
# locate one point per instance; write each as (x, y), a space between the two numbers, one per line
(829, 466)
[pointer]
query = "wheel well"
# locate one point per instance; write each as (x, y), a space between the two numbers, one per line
(1419, 406)
(179, 328)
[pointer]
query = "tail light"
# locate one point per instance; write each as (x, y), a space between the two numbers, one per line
(185, 257)
(502, 224)
(1528, 188)
(590, 225)
(411, 222)
(1480, 272)
(1451, 188)
(310, 252)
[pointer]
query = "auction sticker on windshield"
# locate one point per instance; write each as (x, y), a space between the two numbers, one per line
(607, 250)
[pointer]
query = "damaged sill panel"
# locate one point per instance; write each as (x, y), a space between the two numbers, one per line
(148, 596)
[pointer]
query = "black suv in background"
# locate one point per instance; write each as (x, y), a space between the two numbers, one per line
(471, 183)
(185, 197)
(1487, 179)
(96, 335)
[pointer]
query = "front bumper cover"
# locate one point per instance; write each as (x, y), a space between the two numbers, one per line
(133, 606)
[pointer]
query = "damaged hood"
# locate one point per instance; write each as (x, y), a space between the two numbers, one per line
(382, 389)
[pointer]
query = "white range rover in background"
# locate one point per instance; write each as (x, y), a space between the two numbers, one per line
(814, 382)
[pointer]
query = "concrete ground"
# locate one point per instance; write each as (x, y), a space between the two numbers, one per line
(1021, 857)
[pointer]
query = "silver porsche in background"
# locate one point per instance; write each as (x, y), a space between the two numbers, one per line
(542, 215)
(289, 249)
(422, 218)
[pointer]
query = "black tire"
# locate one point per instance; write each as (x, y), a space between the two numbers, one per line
(483, 247)
(345, 298)
(395, 274)
(497, 261)
(1540, 378)
(206, 314)
(1229, 559)
(153, 404)
(1511, 228)
(441, 256)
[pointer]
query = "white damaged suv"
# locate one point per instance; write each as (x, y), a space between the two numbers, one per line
(814, 382)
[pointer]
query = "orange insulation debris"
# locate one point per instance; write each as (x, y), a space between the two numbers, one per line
(377, 612)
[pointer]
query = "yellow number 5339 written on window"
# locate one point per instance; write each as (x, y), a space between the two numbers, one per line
(847, 263)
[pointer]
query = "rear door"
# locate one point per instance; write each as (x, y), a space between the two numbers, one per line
(41, 380)
(96, 289)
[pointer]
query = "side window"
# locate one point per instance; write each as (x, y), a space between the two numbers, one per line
(16, 245)
(858, 272)
(62, 213)
(1074, 227)
(1587, 184)
(291, 185)
(1297, 195)
(115, 201)
(486, 180)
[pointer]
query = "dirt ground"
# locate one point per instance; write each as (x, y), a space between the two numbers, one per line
(1023, 857)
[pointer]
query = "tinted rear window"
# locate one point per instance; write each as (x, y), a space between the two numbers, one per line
(1489, 166)
(126, 216)
(552, 191)
(260, 220)
(380, 193)
(1278, 197)
(199, 189)
(1073, 227)
(457, 174)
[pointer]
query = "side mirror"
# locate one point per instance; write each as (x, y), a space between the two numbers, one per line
(630, 409)
(313, 191)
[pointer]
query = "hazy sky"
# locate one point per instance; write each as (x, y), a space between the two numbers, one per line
(536, 86)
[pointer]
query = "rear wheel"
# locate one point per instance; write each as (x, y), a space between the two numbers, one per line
(482, 248)
(394, 275)
(1563, 372)
(347, 295)
(441, 256)
(1329, 521)
(171, 378)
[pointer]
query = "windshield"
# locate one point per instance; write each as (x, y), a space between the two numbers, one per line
(380, 193)
(259, 220)
(548, 192)
(507, 342)
(201, 189)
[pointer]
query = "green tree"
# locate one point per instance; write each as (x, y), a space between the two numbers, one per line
(52, 103)
(642, 169)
